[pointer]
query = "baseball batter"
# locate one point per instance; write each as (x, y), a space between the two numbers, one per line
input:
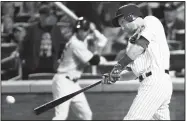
(75, 57)
(146, 58)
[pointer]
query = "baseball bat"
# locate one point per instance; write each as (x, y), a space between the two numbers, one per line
(66, 10)
(45, 107)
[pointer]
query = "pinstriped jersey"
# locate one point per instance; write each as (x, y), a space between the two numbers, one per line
(157, 54)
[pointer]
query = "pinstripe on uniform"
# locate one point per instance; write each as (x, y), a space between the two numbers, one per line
(155, 91)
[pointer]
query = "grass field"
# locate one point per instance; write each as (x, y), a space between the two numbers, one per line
(104, 105)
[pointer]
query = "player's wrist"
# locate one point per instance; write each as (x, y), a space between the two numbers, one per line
(118, 66)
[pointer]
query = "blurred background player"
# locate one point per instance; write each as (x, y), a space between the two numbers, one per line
(75, 57)
(42, 43)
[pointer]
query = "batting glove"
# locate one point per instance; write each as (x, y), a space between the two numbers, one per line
(115, 74)
(106, 79)
(110, 78)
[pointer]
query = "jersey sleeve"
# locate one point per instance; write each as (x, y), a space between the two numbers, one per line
(149, 29)
(143, 42)
(146, 33)
(81, 52)
(102, 40)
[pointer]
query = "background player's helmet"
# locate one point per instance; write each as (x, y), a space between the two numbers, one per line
(127, 11)
(83, 24)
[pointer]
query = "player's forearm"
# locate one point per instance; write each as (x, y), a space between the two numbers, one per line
(127, 76)
(102, 40)
(124, 61)
(133, 52)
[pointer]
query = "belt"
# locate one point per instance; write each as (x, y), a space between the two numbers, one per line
(74, 80)
(141, 78)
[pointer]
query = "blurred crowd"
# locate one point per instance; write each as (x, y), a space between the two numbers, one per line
(28, 28)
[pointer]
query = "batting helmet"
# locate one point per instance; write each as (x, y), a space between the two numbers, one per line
(128, 11)
(83, 24)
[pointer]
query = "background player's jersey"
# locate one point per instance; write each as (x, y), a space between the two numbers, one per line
(75, 56)
(157, 55)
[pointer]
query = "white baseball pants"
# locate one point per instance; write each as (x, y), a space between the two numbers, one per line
(62, 86)
(152, 100)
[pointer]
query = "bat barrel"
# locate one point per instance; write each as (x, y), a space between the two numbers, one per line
(42, 108)
(53, 103)
(66, 10)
